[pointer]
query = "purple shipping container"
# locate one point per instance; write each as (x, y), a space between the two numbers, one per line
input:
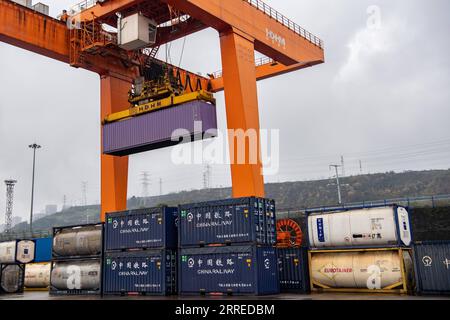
(154, 130)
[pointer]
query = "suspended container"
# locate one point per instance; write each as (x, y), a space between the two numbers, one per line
(388, 270)
(75, 242)
(12, 278)
(143, 272)
(293, 270)
(141, 229)
(76, 277)
(37, 276)
(241, 220)
(361, 228)
(229, 270)
(432, 265)
(43, 249)
(159, 129)
(17, 251)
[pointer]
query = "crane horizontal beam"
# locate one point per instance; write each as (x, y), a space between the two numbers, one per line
(30, 30)
(265, 68)
(274, 35)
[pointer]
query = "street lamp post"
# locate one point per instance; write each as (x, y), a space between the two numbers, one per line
(33, 146)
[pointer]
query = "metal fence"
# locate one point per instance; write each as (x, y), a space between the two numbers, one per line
(260, 5)
(25, 235)
(421, 201)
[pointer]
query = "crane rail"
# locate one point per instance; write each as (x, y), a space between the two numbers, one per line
(268, 10)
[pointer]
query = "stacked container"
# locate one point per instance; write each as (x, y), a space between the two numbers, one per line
(361, 250)
(37, 274)
(292, 257)
(13, 257)
(432, 265)
(293, 270)
(227, 247)
(140, 252)
(76, 260)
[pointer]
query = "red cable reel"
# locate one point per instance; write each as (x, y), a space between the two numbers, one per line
(289, 234)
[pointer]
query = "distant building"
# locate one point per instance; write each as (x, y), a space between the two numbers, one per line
(51, 209)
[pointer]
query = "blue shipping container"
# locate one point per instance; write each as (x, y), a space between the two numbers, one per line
(43, 249)
(141, 228)
(229, 270)
(294, 270)
(147, 272)
(432, 266)
(241, 220)
(271, 222)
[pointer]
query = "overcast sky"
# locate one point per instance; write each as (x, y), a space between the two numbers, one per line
(382, 97)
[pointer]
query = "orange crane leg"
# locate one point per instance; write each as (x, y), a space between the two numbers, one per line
(114, 170)
(238, 63)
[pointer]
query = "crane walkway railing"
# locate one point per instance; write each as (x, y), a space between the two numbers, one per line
(81, 6)
(268, 10)
(258, 62)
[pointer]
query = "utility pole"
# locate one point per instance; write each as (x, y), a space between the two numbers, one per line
(160, 186)
(9, 204)
(343, 166)
(207, 177)
(335, 166)
(360, 167)
(33, 146)
(64, 203)
(145, 183)
(84, 192)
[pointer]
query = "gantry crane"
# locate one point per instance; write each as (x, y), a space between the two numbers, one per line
(243, 26)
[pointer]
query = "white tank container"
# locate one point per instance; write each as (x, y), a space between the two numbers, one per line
(76, 275)
(372, 270)
(37, 275)
(11, 278)
(78, 241)
(17, 251)
(385, 226)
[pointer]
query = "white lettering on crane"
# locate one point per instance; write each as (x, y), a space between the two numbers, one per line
(275, 38)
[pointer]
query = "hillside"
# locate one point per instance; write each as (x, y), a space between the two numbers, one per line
(288, 195)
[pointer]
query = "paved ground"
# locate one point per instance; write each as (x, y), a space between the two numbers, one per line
(43, 295)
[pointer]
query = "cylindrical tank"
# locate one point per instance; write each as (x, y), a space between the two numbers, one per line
(384, 226)
(8, 252)
(76, 275)
(37, 275)
(78, 241)
(21, 251)
(12, 278)
(359, 270)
